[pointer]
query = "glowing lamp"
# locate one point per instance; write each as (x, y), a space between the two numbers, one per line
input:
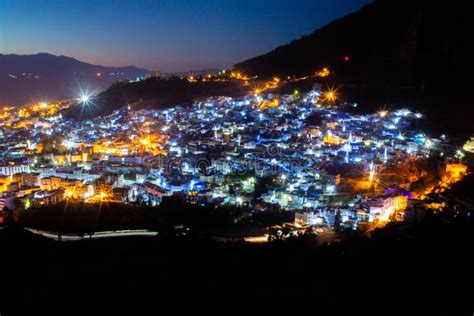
(84, 98)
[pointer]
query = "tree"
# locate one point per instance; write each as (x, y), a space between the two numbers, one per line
(338, 220)
(261, 186)
(9, 220)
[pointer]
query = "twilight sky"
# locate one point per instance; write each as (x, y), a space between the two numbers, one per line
(166, 35)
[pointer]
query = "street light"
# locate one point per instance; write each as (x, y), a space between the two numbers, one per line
(330, 95)
(84, 97)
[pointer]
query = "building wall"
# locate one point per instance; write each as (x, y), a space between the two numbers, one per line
(10, 170)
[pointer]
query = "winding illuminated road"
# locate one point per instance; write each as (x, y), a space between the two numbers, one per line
(106, 234)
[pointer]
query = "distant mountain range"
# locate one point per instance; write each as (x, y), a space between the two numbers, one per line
(27, 78)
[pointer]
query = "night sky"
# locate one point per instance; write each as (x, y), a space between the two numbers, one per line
(172, 35)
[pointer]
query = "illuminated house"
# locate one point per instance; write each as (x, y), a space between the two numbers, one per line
(385, 206)
(70, 173)
(106, 183)
(12, 169)
(42, 198)
(469, 145)
(308, 219)
(31, 179)
(455, 171)
(4, 183)
(124, 195)
(155, 190)
(126, 160)
(72, 186)
(51, 183)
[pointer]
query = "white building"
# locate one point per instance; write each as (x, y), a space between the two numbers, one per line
(9, 170)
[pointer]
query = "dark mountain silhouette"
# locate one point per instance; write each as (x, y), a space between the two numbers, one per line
(389, 41)
(157, 93)
(27, 78)
(200, 72)
(416, 53)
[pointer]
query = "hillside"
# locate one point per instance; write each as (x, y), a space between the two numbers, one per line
(390, 53)
(154, 93)
(393, 41)
(27, 78)
(425, 266)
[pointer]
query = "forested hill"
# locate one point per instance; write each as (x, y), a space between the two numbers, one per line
(391, 53)
(391, 41)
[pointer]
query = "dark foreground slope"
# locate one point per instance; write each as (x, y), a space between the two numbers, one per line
(425, 269)
(416, 53)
